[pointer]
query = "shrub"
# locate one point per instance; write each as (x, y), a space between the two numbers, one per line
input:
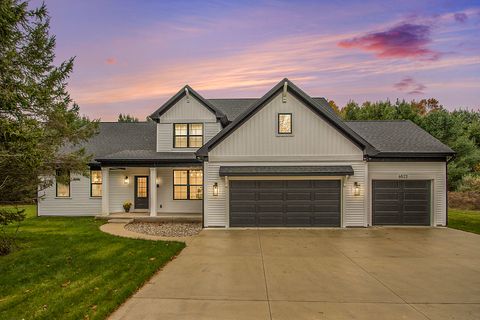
(468, 200)
(9, 215)
(470, 182)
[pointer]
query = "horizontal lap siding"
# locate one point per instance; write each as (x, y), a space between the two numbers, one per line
(434, 171)
(356, 206)
(165, 195)
(121, 192)
(79, 204)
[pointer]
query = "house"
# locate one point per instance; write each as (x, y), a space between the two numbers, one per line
(283, 160)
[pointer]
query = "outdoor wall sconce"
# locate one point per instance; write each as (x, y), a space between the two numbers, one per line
(126, 180)
(215, 189)
(356, 188)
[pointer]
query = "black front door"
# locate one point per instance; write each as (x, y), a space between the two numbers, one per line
(141, 192)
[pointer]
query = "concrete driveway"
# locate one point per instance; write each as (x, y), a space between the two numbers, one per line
(376, 273)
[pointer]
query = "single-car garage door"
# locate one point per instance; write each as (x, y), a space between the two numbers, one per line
(401, 202)
(285, 203)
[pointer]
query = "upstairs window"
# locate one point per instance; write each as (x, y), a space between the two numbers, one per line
(187, 184)
(187, 135)
(62, 190)
(96, 183)
(284, 123)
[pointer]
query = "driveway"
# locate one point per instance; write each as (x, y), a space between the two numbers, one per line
(375, 273)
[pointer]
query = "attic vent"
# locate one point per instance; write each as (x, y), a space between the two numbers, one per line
(187, 95)
(284, 94)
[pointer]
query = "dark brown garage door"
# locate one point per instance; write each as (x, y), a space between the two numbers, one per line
(401, 202)
(285, 203)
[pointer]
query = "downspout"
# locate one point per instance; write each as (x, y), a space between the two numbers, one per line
(446, 186)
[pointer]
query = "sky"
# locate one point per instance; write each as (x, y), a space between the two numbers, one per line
(131, 56)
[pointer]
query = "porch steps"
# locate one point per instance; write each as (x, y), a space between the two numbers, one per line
(120, 220)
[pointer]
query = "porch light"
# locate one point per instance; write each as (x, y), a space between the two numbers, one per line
(215, 189)
(356, 188)
(126, 180)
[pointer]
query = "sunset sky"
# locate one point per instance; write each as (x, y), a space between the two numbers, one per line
(131, 56)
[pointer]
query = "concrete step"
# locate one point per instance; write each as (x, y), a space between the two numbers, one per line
(120, 220)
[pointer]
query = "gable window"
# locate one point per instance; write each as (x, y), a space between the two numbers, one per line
(187, 135)
(284, 124)
(62, 190)
(187, 184)
(95, 183)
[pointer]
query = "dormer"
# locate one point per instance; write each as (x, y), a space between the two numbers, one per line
(186, 122)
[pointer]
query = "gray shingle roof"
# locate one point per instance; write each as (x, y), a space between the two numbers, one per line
(398, 136)
(232, 108)
(114, 137)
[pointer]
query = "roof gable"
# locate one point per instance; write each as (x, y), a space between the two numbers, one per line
(329, 116)
(182, 93)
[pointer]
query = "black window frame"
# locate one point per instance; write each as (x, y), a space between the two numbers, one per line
(96, 183)
(188, 135)
(278, 123)
(188, 185)
(58, 172)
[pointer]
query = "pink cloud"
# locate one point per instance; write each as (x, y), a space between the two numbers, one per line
(402, 41)
(111, 60)
(409, 85)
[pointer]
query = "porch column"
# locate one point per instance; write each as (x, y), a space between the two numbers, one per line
(153, 192)
(105, 190)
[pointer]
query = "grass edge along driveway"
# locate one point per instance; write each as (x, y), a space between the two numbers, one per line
(67, 268)
(466, 220)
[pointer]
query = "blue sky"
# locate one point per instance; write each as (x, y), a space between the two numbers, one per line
(131, 56)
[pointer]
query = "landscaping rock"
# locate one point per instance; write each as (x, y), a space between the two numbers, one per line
(165, 229)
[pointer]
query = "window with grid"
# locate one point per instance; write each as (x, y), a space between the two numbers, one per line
(187, 184)
(95, 183)
(142, 191)
(187, 135)
(62, 189)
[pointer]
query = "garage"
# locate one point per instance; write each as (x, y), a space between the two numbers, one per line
(401, 202)
(285, 203)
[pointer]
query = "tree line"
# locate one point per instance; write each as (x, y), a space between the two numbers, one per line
(459, 129)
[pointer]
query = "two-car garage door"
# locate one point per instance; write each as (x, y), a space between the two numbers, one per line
(285, 203)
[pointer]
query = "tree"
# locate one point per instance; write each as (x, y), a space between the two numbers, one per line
(126, 118)
(40, 126)
(334, 106)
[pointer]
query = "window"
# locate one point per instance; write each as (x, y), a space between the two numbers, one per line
(63, 190)
(187, 135)
(187, 184)
(95, 183)
(284, 123)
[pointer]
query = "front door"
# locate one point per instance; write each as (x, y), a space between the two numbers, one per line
(141, 192)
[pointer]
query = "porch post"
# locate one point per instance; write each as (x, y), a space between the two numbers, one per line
(153, 192)
(105, 190)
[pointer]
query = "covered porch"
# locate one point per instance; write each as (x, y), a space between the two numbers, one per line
(164, 186)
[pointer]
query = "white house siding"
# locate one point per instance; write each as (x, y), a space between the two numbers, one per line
(79, 204)
(313, 138)
(434, 171)
(165, 194)
(121, 192)
(183, 112)
(353, 207)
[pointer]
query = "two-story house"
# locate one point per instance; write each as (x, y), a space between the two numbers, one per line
(283, 160)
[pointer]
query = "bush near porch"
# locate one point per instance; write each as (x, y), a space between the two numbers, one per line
(66, 268)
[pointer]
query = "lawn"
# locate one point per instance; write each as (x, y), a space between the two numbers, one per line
(67, 268)
(466, 220)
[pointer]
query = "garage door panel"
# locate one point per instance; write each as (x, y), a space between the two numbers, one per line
(290, 203)
(406, 204)
(245, 184)
(243, 196)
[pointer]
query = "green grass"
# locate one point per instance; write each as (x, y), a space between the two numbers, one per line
(466, 220)
(66, 268)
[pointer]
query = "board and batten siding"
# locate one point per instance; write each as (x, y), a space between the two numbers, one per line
(78, 204)
(185, 112)
(313, 139)
(216, 208)
(434, 171)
